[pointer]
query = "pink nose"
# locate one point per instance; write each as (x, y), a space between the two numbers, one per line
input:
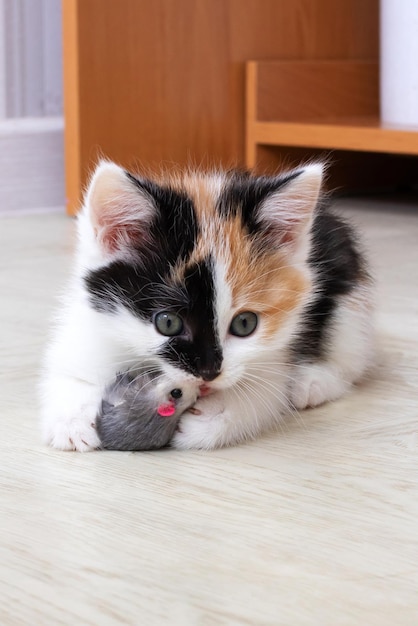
(166, 410)
(204, 390)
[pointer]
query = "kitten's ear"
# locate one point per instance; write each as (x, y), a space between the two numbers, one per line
(287, 212)
(119, 210)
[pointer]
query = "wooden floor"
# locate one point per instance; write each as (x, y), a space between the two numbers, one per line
(316, 525)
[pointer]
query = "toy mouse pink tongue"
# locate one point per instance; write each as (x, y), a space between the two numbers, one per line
(166, 410)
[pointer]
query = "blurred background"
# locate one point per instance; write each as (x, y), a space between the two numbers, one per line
(253, 83)
(31, 111)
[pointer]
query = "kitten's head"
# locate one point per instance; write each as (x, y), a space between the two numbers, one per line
(204, 274)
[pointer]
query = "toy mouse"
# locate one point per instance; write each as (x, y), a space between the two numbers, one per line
(140, 412)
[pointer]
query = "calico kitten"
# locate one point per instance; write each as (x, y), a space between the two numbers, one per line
(244, 290)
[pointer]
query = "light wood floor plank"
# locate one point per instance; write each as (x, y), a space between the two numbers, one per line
(314, 525)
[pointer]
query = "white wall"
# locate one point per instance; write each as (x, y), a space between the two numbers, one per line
(31, 123)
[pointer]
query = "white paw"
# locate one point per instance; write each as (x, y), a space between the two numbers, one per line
(314, 385)
(78, 434)
(205, 426)
(69, 415)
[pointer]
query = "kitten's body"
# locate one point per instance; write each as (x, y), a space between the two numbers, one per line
(209, 252)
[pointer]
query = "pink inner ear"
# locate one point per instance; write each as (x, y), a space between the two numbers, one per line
(288, 212)
(284, 234)
(114, 237)
(117, 226)
(166, 410)
(120, 213)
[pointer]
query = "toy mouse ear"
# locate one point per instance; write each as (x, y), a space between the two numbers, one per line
(107, 406)
(119, 209)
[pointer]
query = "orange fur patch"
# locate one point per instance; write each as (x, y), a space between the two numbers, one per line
(264, 283)
(260, 281)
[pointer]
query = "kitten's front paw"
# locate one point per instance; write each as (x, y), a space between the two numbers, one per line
(75, 435)
(315, 384)
(69, 416)
(205, 426)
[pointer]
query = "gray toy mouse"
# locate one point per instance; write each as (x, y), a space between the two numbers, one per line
(140, 412)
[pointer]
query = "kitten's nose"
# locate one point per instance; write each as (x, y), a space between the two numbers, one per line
(208, 364)
(209, 374)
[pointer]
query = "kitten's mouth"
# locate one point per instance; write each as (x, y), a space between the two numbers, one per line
(205, 390)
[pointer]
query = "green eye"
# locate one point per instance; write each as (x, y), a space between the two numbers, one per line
(243, 324)
(168, 324)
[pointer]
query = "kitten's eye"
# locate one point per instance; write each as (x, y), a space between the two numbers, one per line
(168, 324)
(244, 324)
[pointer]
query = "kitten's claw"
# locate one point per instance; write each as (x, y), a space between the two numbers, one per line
(73, 436)
(69, 412)
(194, 411)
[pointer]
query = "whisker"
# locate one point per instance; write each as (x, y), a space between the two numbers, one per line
(280, 395)
(272, 410)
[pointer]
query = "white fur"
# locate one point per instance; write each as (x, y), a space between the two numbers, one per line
(351, 353)
(257, 383)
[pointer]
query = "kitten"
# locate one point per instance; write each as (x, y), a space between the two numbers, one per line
(244, 290)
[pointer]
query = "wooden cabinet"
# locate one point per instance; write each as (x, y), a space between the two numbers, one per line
(327, 104)
(331, 105)
(151, 82)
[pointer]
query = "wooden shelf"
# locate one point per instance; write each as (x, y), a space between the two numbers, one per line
(358, 135)
(286, 102)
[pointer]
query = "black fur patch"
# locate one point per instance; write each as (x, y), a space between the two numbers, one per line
(143, 288)
(199, 351)
(141, 284)
(338, 266)
(243, 193)
(174, 230)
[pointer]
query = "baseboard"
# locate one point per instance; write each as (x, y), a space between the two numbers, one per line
(31, 164)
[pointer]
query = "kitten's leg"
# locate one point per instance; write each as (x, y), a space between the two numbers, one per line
(69, 412)
(78, 363)
(349, 349)
(233, 415)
